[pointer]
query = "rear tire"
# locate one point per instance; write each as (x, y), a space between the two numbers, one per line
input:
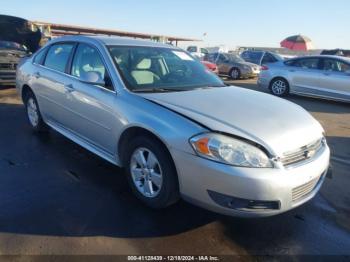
(33, 113)
(279, 87)
(151, 172)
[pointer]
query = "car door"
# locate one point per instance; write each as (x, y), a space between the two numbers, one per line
(223, 64)
(304, 75)
(50, 81)
(268, 59)
(91, 104)
(335, 80)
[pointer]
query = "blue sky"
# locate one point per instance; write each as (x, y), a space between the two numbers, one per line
(228, 22)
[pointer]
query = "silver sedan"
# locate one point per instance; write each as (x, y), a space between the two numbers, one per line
(174, 126)
(315, 76)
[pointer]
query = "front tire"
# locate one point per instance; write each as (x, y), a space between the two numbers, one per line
(235, 73)
(151, 172)
(33, 113)
(279, 87)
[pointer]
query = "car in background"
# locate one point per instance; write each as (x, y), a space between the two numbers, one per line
(10, 55)
(233, 66)
(338, 52)
(261, 57)
(211, 66)
(197, 51)
(321, 76)
(176, 129)
(17, 39)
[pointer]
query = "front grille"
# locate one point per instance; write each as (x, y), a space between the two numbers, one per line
(303, 190)
(303, 153)
(7, 66)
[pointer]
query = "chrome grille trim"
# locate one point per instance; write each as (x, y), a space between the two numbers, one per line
(303, 153)
(305, 189)
(6, 66)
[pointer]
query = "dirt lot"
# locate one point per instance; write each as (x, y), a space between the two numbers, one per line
(57, 198)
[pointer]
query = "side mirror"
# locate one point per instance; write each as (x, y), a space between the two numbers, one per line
(93, 78)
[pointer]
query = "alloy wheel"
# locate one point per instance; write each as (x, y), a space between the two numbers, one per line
(234, 74)
(146, 172)
(279, 87)
(32, 111)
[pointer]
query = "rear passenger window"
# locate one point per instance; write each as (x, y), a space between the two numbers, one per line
(307, 63)
(57, 56)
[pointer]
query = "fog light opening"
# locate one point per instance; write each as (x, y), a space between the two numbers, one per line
(243, 204)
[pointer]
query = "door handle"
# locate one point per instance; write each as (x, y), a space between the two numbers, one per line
(69, 88)
(37, 75)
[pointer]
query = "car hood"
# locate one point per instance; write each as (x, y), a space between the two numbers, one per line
(18, 30)
(276, 124)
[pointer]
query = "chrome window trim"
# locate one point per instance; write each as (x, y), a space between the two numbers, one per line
(70, 75)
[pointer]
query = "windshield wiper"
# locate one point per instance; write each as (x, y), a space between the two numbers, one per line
(208, 87)
(157, 90)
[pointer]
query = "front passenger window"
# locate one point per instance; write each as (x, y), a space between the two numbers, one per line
(87, 59)
(335, 65)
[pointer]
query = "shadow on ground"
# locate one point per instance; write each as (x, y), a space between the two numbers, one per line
(51, 186)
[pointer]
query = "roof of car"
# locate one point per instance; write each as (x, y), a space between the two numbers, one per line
(324, 56)
(113, 40)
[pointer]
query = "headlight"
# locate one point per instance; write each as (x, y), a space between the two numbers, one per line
(229, 150)
(247, 68)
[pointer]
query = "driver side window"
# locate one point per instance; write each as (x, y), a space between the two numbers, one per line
(222, 58)
(87, 59)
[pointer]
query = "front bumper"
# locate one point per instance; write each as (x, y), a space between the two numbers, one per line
(249, 73)
(199, 178)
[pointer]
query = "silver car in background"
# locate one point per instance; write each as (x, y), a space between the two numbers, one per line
(175, 127)
(316, 76)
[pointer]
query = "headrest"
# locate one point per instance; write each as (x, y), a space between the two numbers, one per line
(145, 63)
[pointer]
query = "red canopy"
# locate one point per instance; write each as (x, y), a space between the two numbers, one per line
(298, 43)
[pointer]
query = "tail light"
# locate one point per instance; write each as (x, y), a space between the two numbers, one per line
(264, 68)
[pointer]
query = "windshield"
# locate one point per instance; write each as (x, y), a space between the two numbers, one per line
(161, 69)
(11, 45)
(235, 58)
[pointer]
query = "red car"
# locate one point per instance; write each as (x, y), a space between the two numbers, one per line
(211, 66)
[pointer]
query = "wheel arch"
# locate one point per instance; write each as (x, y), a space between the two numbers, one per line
(279, 77)
(134, 131)
(232, 68)
(26, 89)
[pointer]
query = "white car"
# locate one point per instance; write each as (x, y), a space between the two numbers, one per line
(197, 51)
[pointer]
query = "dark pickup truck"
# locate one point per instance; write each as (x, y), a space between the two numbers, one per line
(10, 55)
(18, 38)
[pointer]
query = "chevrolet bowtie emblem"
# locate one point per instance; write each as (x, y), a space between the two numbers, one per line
(309, 154)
